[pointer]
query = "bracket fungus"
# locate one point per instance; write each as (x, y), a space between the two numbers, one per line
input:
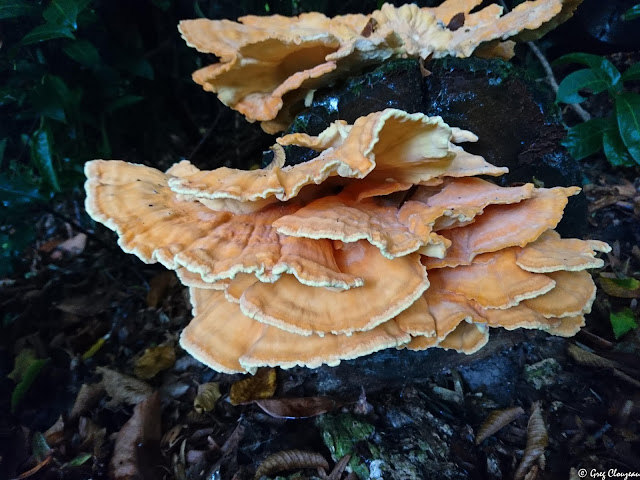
(269, 65)
(407, 249)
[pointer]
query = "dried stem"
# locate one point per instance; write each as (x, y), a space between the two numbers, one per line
(582, 113)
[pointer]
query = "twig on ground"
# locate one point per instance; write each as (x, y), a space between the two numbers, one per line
(582, 113)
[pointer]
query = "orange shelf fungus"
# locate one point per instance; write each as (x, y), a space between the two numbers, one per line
(412, 252)
(268, 65)
(387, 239)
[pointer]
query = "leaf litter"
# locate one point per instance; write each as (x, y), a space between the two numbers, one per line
(537, 442)
(136, 447)
(261, 385)
(496, 421)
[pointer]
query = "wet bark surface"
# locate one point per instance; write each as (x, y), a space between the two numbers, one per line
(516, 121)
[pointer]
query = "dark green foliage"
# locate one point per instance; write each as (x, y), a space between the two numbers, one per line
(618, 135)
(84, 79)
(582, 79)
(632, 13)
(53, 93)
(586, 138)
(628, 113)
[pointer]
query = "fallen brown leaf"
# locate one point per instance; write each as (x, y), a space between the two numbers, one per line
(123, 389)
(55, 434)
(261, 385)
(589, 359)
(496, 421)
(88, 396)
(626, 378)
(625, 188)
(336, 473)
(603, 202)
(92, 437)
(208, 395)
(587, 337)
(229, 450)
(533, 473)
(606, 195)
(154, 360)
(71, 247)
(303, 407)
(537, 441)
(233, 441)
(85, 305)
(179, 462)
(170, 438)
(49, 245)
(141, 430)
(290, 460)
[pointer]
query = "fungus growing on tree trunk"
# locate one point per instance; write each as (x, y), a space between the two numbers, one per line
(412, 252)
(268, 65)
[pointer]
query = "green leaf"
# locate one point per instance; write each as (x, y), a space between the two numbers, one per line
(42, 157)
(632, 73)
(628, 113)
(18, 191)
(19, 187)
(594, 62)
(625, 287)
(83, 52)
(582, 79)
(614, 149)
(632, 13)
(52, 98)
(122, 102)
(628, 283)
(21, 364)
(27, 380)
(586, 138)
(16, 8)
(80, 460)
(622, 322)
(64, 12)
(47, 32)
